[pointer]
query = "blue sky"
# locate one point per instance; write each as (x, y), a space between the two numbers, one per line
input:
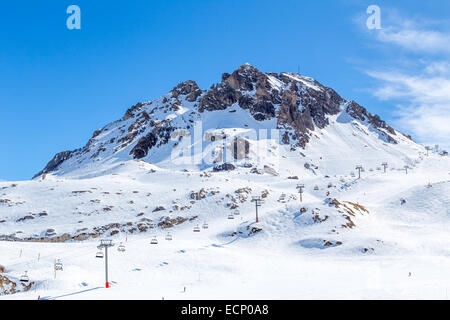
(58, 85)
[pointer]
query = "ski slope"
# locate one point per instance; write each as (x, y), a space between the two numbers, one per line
(407, 254)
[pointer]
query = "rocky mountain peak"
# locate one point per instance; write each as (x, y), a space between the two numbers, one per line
(299, 105)
(244, 78)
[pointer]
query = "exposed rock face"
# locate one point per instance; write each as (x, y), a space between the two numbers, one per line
(144, 144)
(188, 88)
(167, 222)
(238, 88)
(300, 105)
(198, 195)
(297, 106)
(55, 162)
(224, 167)
(360, 113)
(160, 135)
(159, 208)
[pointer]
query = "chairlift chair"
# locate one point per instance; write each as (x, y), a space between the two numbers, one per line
(230, 216)
(236, 212)
(121, 248)
(196, 228)
(169, 237)
(205, 225)
(154, 241)
(316, 188)
(99, 254)
(24, 278)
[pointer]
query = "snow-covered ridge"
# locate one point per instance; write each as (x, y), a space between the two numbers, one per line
(298, 106)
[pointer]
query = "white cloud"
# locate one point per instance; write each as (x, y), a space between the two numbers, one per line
(417, 40)
(420, 87)
(442, 67)
(425, 107)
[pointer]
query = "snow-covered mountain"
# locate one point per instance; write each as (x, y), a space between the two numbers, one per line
(312, 120)
(196, 158)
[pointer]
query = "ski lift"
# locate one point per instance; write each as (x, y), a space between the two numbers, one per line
(121, 248)
(236, 212)
(154, 241)
(378, 168)
(371, 170)
(205, 225)
(230, 216)
(58, 265)
(196, 228)
(316, 188)
(169, 237)
(24, 278)
(99, 254)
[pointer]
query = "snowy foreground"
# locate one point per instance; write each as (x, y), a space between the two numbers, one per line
(395, 251)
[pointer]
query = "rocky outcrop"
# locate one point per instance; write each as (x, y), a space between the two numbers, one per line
(54, 164)
(224, 167)
(160, 135)
(360, 113)
(188, 88)
(8, 286)
(238, 88)
(296, 106)
(144, 145)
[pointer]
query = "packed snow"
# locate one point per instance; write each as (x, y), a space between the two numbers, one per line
(394, 250)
